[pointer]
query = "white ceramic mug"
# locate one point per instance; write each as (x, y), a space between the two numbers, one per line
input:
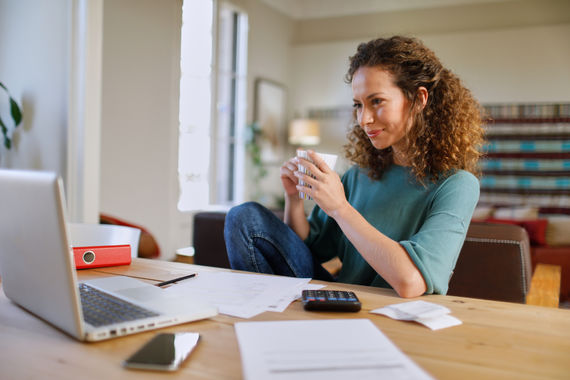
(330, 160)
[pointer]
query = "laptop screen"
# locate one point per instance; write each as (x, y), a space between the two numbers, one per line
(36, 259)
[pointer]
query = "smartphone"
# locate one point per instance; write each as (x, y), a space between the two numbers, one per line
(164, 352)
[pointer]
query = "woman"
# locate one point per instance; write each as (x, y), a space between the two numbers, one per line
(398, 218)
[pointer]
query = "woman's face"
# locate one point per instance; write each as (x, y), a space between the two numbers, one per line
(381, 107)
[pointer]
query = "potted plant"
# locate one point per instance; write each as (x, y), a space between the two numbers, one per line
(16, 114)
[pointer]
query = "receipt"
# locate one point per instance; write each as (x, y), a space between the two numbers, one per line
(428, 314)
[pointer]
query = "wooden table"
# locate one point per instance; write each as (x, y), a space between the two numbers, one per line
(497, 340)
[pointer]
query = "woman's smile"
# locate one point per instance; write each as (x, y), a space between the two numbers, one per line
(372, 134)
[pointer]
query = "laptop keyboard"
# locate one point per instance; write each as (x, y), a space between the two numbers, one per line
(100, 309)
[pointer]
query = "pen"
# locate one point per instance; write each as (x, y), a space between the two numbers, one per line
(176, 279)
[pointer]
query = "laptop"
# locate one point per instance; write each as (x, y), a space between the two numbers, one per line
(38, 271)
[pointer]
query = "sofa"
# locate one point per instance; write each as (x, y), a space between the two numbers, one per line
(495, 261)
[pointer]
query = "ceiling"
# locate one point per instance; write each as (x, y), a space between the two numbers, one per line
(310, 9)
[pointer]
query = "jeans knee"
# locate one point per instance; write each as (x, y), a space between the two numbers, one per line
(237, 216)
(245, 211)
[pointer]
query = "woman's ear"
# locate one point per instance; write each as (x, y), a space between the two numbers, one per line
(423, 96)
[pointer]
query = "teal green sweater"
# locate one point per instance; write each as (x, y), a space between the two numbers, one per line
(429, 222)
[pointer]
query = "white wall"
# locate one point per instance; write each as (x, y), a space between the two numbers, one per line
(139, 134)
(515, 65)
(34, 66)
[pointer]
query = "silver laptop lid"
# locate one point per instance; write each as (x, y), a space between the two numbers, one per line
(36, 258)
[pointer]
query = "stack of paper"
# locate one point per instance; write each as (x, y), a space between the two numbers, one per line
(243, 295)
(321, 349)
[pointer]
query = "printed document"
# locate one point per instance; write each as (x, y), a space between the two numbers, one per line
(321, 349)
(240, 294)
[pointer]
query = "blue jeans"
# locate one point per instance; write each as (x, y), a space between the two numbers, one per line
(258, 241)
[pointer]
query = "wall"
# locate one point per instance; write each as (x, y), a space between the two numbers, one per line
(510, 65)
(34, 66)
(139, 134)
(463, 17)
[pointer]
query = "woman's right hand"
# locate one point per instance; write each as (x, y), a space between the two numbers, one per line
(288, 178)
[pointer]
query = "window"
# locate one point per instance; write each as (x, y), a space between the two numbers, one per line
(211, 147)
(231, 105)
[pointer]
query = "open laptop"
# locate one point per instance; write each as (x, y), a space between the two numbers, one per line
(38, 271)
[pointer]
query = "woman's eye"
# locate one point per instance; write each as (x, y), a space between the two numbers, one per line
(356, 105)
(376, 101)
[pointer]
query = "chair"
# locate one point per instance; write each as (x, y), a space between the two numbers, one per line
(147, 247)
(208, 239)
(494, 263)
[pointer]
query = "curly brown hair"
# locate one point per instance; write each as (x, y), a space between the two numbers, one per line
(445, 136)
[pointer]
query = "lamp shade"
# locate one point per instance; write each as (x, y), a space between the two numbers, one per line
(304, 132)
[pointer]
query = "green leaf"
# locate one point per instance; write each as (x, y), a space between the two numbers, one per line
(3, 126)
(15, 111)
(7, 141)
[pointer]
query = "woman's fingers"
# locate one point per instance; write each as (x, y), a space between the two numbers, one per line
(312, 169)
(319, 162)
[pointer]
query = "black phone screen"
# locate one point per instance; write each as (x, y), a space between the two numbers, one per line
(166, 351)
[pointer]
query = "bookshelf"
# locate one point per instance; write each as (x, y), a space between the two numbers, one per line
(527, 157)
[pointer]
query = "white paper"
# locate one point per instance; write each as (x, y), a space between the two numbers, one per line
(440, 322)
(282, 303)
(428, 314)
(321, 349)
(240, 294)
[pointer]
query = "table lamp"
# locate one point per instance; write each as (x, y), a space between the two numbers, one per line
(304, 132)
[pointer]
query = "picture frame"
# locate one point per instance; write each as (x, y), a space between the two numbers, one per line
(270, 105)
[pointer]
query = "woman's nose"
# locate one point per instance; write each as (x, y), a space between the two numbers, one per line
(366, 116)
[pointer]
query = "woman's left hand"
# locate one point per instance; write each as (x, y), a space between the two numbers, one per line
(325, 186)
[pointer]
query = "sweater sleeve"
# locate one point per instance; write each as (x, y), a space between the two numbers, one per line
(436, 246)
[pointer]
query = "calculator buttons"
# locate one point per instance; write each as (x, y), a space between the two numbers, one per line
(330, 300)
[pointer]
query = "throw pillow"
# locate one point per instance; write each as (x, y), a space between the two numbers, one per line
(558, 230)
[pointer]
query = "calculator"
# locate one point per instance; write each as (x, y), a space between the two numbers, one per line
(330, 300)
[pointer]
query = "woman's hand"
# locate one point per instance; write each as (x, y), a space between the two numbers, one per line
(288, 178)
(325, 186)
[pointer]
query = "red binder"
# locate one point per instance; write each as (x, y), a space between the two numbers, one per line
(102, 256)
